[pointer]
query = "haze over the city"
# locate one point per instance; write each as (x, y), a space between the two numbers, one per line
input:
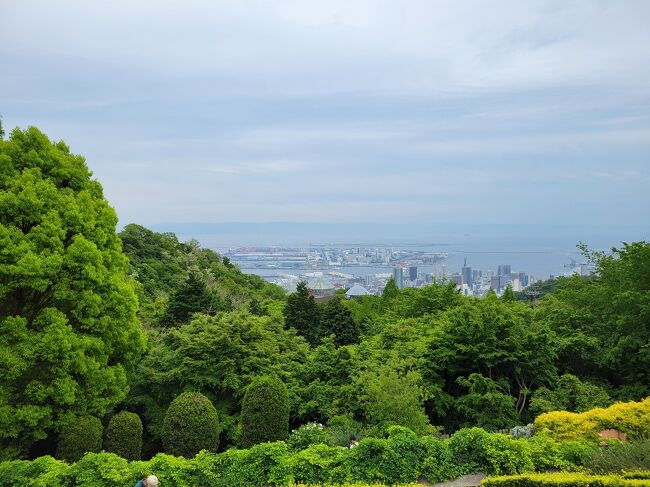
(383, 112)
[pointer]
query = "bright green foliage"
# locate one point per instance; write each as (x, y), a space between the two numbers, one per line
(411, 303)
(308, 434)
(569, 394)
(124, 435)
(508, 294)
(79, 436)
(163, 266)
(265, 411)
(476, 450)
(562, 480)
(391, 291)
(219, 355)
(637, 474)
(191, 425)
(326, 387)
(402, 457)
(336, 319)
(500, 341)
(302, 314)
(394, 397)
(154, 259)
(68, 330)
(392, 461)
(439, 464)
(102, 470)
(602, 321)
(43, 472)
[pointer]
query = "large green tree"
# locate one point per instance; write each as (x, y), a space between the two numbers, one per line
(219, 355)
(336, 319)
(69, 334)
(302, 314)
(602, 320)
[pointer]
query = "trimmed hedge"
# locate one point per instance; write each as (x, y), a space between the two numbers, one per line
(401, 458)
(191, 424)
(632, 418)
(79, 436)
(265, 411)
(124, 435)
(563, 480)
(637, 474)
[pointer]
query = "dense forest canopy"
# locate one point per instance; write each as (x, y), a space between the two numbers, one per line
(95, 322)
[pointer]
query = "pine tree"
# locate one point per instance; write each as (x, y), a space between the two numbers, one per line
(302, 314)
(391, 290)
(192, 297)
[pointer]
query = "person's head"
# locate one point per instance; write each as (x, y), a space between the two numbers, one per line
(151, 481)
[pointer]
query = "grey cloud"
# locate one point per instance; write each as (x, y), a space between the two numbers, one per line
(342, 111)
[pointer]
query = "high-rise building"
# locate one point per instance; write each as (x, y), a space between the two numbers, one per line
(504, 270)
(523, 279)
(413, 273)
(466, 272)
(498, 283)
(398, 275)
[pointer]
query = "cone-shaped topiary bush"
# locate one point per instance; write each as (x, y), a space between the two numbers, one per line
(124, 435)
(79, 436)
(265, 411)
(191, 424)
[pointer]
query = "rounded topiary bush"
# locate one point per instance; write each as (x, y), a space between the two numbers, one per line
(265, 411)
(191, 424)
(79, 436)
(124, 435)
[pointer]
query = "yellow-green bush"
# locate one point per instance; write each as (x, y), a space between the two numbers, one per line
(632, 418)
(637, 474)
(563, 480)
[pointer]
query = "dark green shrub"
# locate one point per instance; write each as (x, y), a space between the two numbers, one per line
(265, 411)
(616, 457)
(124, 435)
(577, 452)
(493, 453)
(438, 465)
(368, 461)
(547, 454)
(467, 449)
(562, 480)
(395, 460)
(79, 436)
(191, 424)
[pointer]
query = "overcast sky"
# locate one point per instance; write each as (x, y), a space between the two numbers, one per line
(343, 111)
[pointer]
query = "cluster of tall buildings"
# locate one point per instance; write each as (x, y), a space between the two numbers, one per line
(470, 281)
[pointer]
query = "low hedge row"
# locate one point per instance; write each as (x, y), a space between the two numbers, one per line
(401, 458)
(563, 480)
